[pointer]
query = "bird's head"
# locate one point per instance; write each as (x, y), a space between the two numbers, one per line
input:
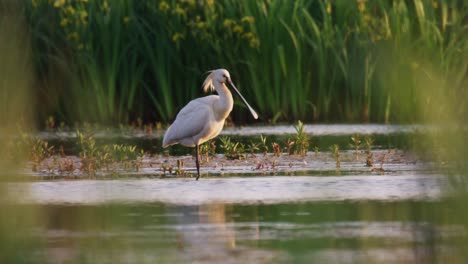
(219, 75)
(222, 76)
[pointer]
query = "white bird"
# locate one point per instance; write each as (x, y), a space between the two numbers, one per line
(203, 118)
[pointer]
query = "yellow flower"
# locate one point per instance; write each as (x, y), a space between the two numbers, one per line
(64, 22)
(73, 35)
(388, 34)
(34, 3)
(367, 18)
(83, 16)
(228, 22)
(178, 10)
(70, 10)
(201, 25)
(435, 5)
(252, 39)
(177, 36)
(210, 2)
(361, 5)
(248, 19)
(126, 19)
(254, 42)
(190, 2)
(105, 5)
(329, 8)
(59, 3)
(163, 6)
(238, 29)
(80, 46)
(248, 35)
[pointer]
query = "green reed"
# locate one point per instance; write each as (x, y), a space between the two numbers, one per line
(310, 60)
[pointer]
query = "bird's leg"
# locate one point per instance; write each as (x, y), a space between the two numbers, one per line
(197, 162)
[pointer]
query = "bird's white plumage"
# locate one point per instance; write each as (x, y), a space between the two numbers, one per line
(203, 119)
(193, 123)
(208, 83)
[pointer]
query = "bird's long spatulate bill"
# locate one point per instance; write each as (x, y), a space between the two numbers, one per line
(243, 99)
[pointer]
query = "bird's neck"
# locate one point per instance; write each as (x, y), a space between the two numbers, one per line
(225, 103)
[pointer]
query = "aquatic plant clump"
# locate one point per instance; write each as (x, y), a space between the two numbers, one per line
(92, 159)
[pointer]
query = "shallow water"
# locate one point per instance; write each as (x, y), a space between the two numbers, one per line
(321, 135)
(399, 211)
(243, 190)
(323, 232)
(296, 219)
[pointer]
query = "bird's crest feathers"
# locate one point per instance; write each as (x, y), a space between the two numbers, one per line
(208, 83)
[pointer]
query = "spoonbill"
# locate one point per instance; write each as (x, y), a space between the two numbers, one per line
(203, 118)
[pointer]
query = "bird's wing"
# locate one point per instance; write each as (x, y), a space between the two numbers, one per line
(189, 122)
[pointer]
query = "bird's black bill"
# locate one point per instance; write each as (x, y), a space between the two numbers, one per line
(254, 114)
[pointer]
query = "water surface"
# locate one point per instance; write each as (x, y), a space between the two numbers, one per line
(243, 190)
(399, 211)
(325, 232)
(273, 219)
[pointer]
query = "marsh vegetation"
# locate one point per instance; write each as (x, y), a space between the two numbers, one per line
(351, 61)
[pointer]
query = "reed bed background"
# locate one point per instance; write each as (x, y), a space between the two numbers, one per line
(115, 62)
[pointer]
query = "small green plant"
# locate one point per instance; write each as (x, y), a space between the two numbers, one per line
(39, 150)
(382, 160)
(66, 165)
(252, 148)
(232, 150)
(122, 152)
(128, 156)
(148, 129)
(50, 123)
(166, 166)
(33, 148)
(316, 150)
(276, 149)
(263, 140)
(368, 141)
(208, 149)
(356, 143)
(289, 144)
(302, 140)
(86, 143)
(369, 160)
(179, 171)
(94, 158)
(88, 152)
(335, 152)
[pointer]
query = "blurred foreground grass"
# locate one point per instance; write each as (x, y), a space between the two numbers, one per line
(16, 110)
